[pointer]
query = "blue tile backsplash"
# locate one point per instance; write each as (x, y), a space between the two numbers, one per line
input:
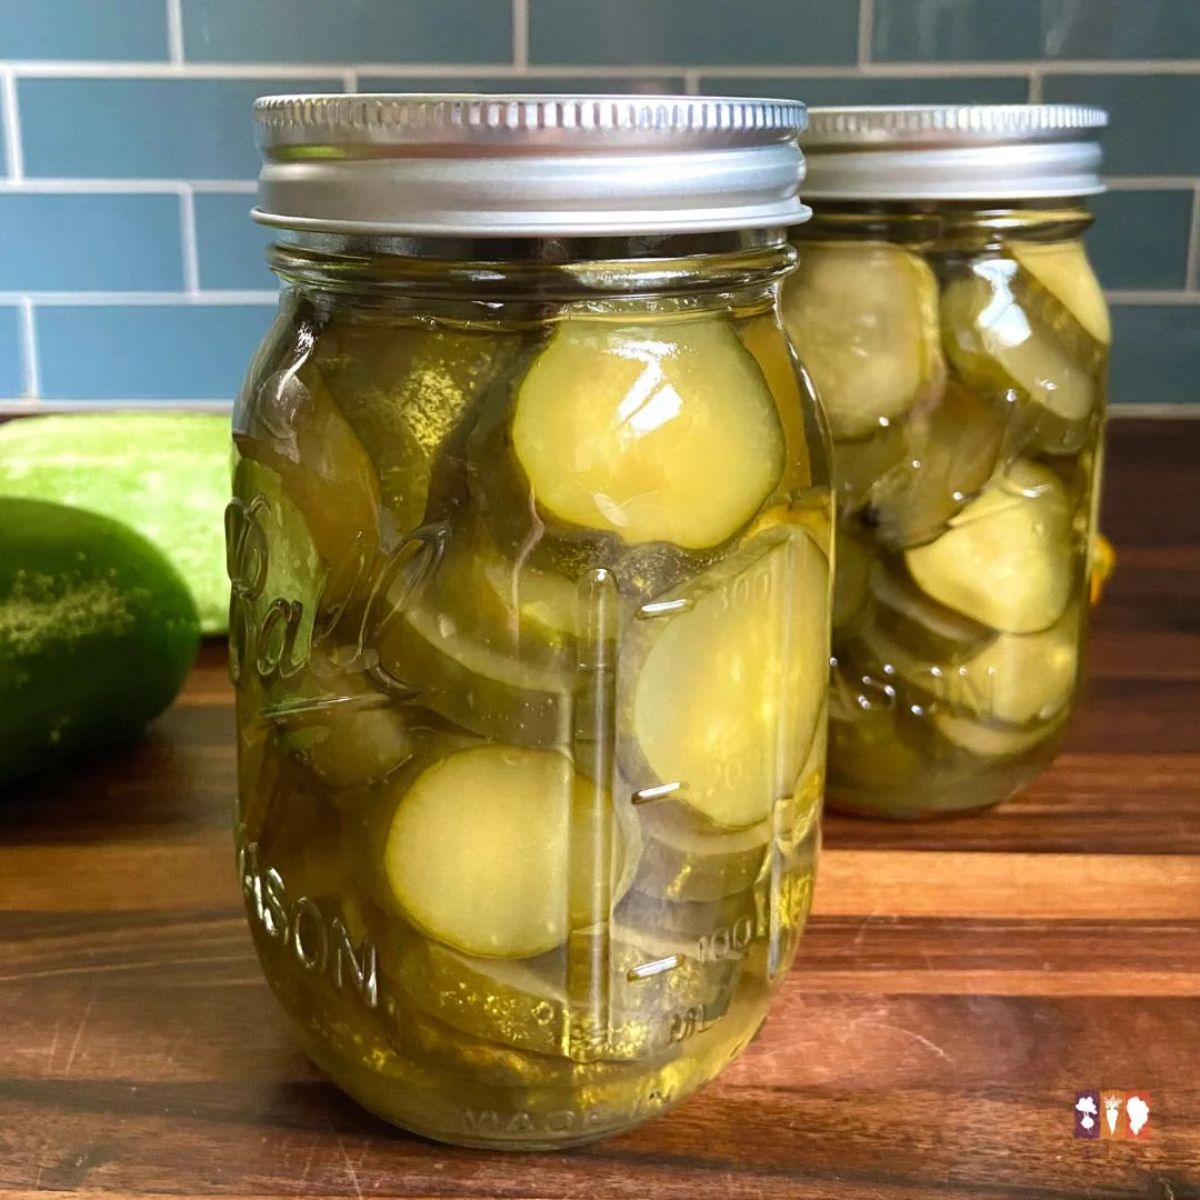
(327, 31)
(11, 383)
(127, 30)
(152, 351)
(130, 268)
(81, 242)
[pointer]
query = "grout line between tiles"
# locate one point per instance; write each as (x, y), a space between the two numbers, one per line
(866, 26)
(14, 163)
(520, 33)
(30, 372)
(350, 80)
(1147, 296)
(187, 231)
(1035, 86)
(175, 31)
(140, 299)
(1192, 265)
(135, 186)
(691, 82)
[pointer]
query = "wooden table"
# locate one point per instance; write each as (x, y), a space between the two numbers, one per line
(959, 982)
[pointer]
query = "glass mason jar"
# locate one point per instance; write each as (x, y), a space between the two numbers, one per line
(959, 342)
(530, 556)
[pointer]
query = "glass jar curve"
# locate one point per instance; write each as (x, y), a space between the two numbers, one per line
(961, 353)
(530, 553)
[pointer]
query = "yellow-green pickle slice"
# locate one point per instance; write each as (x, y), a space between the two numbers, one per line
(864, 320)
(1005, 560)
(648, 432)
(1062, 268)
(1005, 333)
(527, 1005)
(728, 675)
(487, 850)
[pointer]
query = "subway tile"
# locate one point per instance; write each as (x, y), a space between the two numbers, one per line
(1140, 239)
(1156, 354)
(874, 90)
(1152, 127)
(229, 243)
(147, 352)
(347, 31)
(985, 30)
(128, 30)
(693, 32)
(145, 128)
(96, 242)
(621, 84)
(11, 383)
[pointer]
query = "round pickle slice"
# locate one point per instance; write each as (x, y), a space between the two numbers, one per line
(486, 851)
(991, 741)
(863, 317)
(1006, 559)
(663, 432)
(729, 677)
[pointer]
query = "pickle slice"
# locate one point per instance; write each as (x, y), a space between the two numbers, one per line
(952, 448)
(863, 318)
(1005, 560)
(906, 614)
(649, 432)
(853, 560)
(294, 429)
(1004, 333)
(1022, 678)
(489, 691)
(523, 1003)
(731, 669)
(991, 741)
(409, 390)
(1062, 268)
(685, 857)
(486, 851)
(858, 466)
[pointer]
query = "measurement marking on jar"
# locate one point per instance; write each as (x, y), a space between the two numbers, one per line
(662, 608)
(657, 967)
(658, 792)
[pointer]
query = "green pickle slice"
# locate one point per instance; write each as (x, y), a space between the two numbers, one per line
(488, 850)
(410, 389)
(1005, 333)
(730, 674)
(952, 448)
(864, 320)
(1005, 560)
(649, 432)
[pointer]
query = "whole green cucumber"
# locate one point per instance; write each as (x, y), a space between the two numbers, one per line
(164, 473)
(97, 633)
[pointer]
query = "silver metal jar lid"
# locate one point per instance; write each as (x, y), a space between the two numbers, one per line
(953, 152)
(525, 166)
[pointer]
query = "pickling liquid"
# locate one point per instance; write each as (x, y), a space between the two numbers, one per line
(530, 621)
(961, 356)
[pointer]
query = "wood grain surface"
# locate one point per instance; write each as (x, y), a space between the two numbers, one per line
(959, 981)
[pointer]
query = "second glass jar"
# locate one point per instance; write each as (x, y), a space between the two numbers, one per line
(960, 348)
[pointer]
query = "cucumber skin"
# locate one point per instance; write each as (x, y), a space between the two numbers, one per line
(67, 690)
